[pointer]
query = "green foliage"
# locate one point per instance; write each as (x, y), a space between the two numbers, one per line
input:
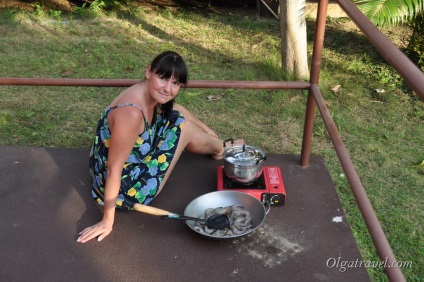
(38, 10)
(415, 49)
(55, 14)
(396, 12)
(98, 8)
(109, 4)
(8, 15)
(391, 12)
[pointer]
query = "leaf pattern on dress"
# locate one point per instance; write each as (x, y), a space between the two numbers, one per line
(147, 164)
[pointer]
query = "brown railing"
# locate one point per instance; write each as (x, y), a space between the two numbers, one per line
(413, 76)
(410, 73)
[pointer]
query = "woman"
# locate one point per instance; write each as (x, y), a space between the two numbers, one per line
(139, 139)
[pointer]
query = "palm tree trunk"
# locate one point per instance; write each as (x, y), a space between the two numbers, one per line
(293, 39)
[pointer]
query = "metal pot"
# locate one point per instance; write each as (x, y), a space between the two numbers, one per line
(197, 207)
(243, 163)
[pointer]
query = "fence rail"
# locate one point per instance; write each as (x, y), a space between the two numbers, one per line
(128, 82)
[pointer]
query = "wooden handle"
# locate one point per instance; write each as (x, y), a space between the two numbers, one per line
(150, 210)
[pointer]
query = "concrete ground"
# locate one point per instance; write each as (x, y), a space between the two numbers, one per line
(45, 201)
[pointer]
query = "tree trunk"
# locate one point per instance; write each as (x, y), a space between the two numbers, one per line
(293, 39)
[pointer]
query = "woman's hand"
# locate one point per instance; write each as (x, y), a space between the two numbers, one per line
(101, 229)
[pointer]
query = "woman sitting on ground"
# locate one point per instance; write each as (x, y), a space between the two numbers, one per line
(139, 139)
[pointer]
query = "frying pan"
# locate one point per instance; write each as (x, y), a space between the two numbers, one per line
(197, 207)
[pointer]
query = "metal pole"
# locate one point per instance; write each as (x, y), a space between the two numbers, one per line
(269, 9)
(315, 70)
(376, 231)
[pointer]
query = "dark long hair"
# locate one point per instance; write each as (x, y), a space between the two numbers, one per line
(169, 64)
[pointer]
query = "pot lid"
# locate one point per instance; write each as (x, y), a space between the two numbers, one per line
(243, 155)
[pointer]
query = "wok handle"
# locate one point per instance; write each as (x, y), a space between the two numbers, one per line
(150, 210)
(181, 217)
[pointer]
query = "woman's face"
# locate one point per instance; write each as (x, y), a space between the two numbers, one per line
(162, 89)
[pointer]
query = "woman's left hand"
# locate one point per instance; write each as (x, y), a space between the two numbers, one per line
(99, 230)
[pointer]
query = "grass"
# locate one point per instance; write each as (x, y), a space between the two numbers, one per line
(383, 132)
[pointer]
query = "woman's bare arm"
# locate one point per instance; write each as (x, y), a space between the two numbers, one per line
(125, 125)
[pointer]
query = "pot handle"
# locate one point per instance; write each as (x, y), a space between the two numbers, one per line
(261, 160)
(232, 142)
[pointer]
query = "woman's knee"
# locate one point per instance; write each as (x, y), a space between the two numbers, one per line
(187, 129)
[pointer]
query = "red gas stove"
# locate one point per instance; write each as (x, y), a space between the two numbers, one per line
(269, 188)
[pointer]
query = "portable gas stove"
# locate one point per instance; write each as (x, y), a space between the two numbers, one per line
(269, 188)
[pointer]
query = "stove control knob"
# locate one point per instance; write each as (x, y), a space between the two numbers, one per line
(277, 200)
(264, 199)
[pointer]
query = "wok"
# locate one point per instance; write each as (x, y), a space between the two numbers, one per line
(197, 207)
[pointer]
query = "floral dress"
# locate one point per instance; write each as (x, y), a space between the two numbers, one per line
(147, 164)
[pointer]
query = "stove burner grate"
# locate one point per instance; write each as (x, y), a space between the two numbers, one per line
(256, 184)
